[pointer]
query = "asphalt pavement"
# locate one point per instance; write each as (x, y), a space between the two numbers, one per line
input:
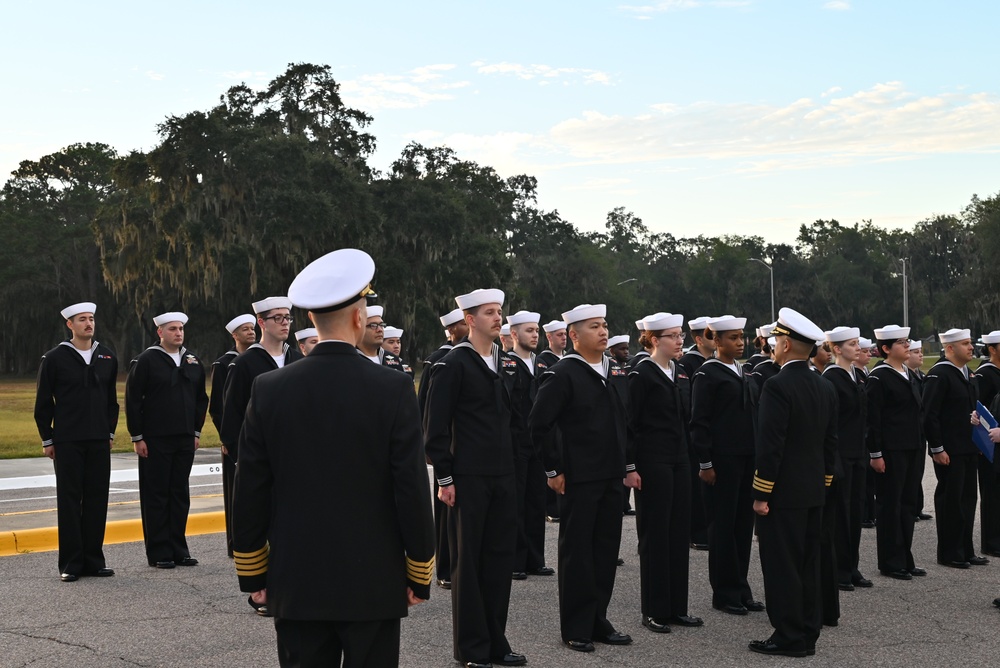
(197, 616)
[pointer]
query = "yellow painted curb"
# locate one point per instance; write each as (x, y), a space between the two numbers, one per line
(120, 531)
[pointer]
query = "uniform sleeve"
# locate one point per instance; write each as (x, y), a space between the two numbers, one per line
(114, 410)
(701, 418)
(413, 495)
(425, 383)
(45, 405)
(553, 396)
(236, 397)
(200, 402)
(637, 407)
(135, 387)
(442, 399)
(875, 397)
(772, 432)
(831, 437)
(935, 389)
(252, 506)
(218, 390)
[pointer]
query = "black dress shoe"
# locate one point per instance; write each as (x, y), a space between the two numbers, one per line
(732, 609)
(259, 608)
(868, 524)
(186, 561)
(772, 648)
(845, 586)
(865, 583)
(924, 516)
(901, 574)
(917, 572)
(511, 659)
(163, 564)
(955, 564)
(444, 584)
(615, 638)
(621, 562)
(655, 625)
(69, 577)
(477, 664)
(754, 606)
(544, 570)
(978, 561)
(579, 645)
(996, 602)
(103, 573)
(687, 620)
(701, 547)
(518, 575)
(629, 512)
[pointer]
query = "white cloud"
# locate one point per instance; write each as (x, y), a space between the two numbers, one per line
(155, 76)
(643, 11)
(837, 5)
(543, 73)
(416, 88)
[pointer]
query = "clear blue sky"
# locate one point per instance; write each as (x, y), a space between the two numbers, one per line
(724, 117)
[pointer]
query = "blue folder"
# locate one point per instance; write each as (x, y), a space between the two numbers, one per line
(981, 434)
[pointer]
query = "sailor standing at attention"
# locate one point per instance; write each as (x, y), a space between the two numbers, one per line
(796, 448)
(307, 339)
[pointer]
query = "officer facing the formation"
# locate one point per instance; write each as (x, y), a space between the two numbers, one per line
(456, 329)
(76, 412)
(988, 374)
(165, 407)
(468, 440)
(950, 395)
(585, 396)
(895, 443)
(796, 449)
(392, 342)
(241, 328)
(319, 435)
(529, 559)
(307, 339)
(371, 345)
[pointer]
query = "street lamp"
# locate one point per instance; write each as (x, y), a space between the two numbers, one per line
(770, 269)
(628, 280)
(906, 300)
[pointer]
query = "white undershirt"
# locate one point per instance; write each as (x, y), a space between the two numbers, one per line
(735, 366)
(527, 363)
(279, 360)
(374, 358)
(87, 354)
(176, 357)
(489, 362)
(666, 370)
(599, 368)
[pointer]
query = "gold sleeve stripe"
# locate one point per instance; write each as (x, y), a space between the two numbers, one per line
(250, 563)
(762, 485)
(419, 579)
(259, 571)
(252, 555)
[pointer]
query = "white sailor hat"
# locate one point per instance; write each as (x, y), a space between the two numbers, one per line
(955, 335)
(523, 317)
(638, 325)
(726, 323)
(765, 330)
(170, 316)
(375, 311)
(450, 318)
(585, 312)
(794, 325)
(892, 333)
(917, 344)
(771, 341)
(660, 321)
(554, 326)
(334, 281)
(992, 337)
(698, 324)
(505, 330)
(271, 303)
(615, 340)
(841, 334)
(866, 343)
(393, 332)
(77, 309)
(479, 297)
(306, 333)
(239, 321)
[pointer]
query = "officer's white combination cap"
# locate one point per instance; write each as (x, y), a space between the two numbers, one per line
(841, 334)
(334, 281)
(698, 324)
(306, 333)
(271, 303)
(505, 330)
(450, 318)
(955, 335)
(660, 321)
(393, 332)
(615, 340)
(170, 316)
(992, 337)
(479, 297)
(585, 312)
(793, 324)
(375, 311)
(892, 333)
(77, 309)
(239, 321)
(523, 317)
(726, 323)
(554, 326)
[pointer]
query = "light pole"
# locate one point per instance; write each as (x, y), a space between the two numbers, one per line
(906, 300)
(627, 280)
(770, 269)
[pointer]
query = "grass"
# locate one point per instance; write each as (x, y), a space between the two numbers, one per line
(19, 435)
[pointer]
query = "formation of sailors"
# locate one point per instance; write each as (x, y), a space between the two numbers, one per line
(801, 443)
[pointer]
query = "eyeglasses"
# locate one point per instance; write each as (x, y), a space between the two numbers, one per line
(676, 336)
(375, 326)
(281, 319)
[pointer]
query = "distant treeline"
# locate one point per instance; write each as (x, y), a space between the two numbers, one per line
(235, 200)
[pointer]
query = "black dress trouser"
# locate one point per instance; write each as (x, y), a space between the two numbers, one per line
(955, 507)
(896, 507)
(989, 510)
(319, 644)
(83, 476)
(663, 523)
(228, 485)
(729, 505)
(165, 496)
(442, 558)
(851, 496)
(531, 486)
(829, 592)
